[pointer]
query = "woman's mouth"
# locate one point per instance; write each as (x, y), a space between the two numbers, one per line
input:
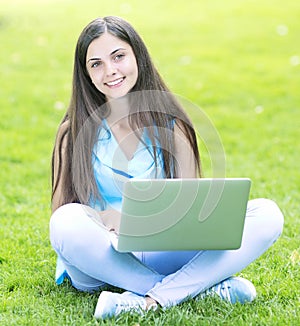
(115, 82)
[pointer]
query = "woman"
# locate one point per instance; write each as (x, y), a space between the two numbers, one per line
(123, 123)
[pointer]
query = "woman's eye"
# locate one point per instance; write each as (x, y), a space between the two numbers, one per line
(96, 64)
(119, 57)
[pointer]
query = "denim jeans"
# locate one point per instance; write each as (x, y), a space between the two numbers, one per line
(90, 261)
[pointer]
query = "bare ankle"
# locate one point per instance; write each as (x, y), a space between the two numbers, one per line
(151, 303)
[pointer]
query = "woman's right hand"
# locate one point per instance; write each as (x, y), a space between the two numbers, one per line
(111, 220)
(108, 219)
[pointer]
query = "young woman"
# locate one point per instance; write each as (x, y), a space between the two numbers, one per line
(123, 123)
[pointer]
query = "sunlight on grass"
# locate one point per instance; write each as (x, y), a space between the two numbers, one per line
(238, 61)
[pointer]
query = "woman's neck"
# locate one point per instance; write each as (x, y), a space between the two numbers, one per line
(119, 111)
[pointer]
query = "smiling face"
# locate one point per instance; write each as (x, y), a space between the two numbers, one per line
(112, 66)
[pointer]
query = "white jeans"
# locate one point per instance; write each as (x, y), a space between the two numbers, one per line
(168, 277)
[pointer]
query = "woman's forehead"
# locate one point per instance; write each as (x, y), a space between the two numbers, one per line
(105, 45)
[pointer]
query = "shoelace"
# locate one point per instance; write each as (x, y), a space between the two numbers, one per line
(221, 289)
(224, 290)
(129, 305)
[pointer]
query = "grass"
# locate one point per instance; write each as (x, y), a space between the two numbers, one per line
(237, 60)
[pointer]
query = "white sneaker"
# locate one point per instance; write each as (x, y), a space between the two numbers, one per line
(233, 289)
(112, 304)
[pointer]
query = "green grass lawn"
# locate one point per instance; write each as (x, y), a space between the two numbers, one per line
(239, 61)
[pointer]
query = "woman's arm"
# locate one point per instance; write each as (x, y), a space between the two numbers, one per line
(184, 156)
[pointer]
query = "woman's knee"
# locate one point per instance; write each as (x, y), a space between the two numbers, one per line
(66, 222)
(269, 217)
(73, 229)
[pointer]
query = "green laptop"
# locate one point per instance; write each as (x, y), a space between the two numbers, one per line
(182, 214)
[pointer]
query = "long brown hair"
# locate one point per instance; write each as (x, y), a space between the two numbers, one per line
(89, 104)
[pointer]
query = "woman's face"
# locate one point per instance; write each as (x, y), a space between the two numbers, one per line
(112, 66)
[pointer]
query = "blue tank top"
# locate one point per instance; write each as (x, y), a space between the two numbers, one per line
(112, 168)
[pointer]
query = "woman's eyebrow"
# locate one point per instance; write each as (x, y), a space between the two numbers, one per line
(93, 59)
(112, 53)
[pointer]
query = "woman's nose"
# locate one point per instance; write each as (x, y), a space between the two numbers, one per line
(110, 69)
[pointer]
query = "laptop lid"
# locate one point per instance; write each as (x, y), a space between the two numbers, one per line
(182, 214)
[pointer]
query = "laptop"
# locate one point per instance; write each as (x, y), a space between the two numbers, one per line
(182, 214)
